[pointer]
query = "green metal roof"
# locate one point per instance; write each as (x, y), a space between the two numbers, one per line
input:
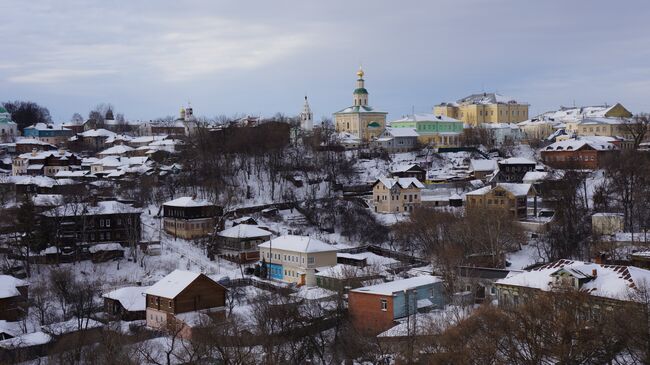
(361, 90)
(3, 110)
(374, 125)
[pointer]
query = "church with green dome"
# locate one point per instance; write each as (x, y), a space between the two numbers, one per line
(360, 119)
(8, 128)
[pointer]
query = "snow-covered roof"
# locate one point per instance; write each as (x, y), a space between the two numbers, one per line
(132, 298)
(44, 200)
(41, 181)
(514, 188)
(244, 231)
(303, 244)
(359, 109)
(608, 281)
(402, 132)
(187, 201)
(533, 176)
(105, 247)
(147, 139)
(603, 120)
(573, 144)
(403, 182)
(120, 149)
(575, 113)
(26, 340)
(425, 117)
(172, 284)
(40, 155)
(482, 165)
(313, 293)
(517, 161)
(101, 208)
(402, 167)
(398, 285)
(487, 98)
(98, 133)
(46, 127)
(70, 174)
(11, 328)
(340, 271)
(9, 285)
(371, 258)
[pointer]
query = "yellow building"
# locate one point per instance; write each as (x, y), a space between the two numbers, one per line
(295, 259)
(505, 197)
(360, 119)
(396, 195)
(484, 108)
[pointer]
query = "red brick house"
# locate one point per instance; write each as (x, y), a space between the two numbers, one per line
(583, 153)
(374, 309)
(13, 298)
(180, 298)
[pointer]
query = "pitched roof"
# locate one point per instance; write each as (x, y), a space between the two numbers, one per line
(244, 231)
(517, 161)
(172, 284)
(403, 167)
(8, 286)
(132, 298)
(359, 109)
(425, 117)
(610, 281)
(101, 208)
(116, 150)
(304, 244)
(403, 182)
(187, 201)
(514, 188)
(402, 132)
(482, 165)
(487, 98)
(573, 144)
(398, 285)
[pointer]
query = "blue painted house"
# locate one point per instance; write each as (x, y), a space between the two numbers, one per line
(48, 133)
(375, 308)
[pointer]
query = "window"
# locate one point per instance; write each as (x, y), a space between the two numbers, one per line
(383, 304)
(108, 223)
(101, 223)
(169, 303)
(310, 260)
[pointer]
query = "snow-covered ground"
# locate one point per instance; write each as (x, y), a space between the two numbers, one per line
(527, 256)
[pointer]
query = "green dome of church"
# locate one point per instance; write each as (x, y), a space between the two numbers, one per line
(361, 90)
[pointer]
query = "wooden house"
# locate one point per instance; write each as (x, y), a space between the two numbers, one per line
(126, 304)
(183, 292)
(13, 298)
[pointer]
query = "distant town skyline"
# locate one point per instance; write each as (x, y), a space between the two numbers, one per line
(149, 59)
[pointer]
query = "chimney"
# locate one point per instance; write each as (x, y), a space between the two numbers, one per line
(61, 151)
(34, 151)
(594, 273)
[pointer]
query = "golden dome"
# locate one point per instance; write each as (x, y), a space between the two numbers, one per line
(360, 73)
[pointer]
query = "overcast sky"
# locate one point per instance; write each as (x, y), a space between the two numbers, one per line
(148, 58)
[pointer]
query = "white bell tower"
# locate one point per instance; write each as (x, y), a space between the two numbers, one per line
(306, 117)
